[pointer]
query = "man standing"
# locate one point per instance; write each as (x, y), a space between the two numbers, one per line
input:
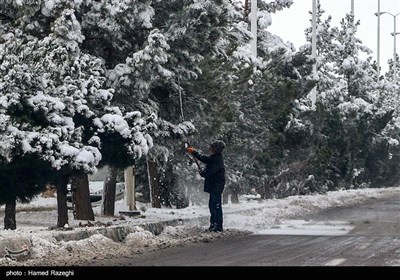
(214, 183)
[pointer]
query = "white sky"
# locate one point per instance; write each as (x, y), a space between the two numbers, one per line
(364, 10)
(270, 216)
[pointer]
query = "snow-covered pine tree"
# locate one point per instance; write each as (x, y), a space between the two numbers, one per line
(119, 30)
(391, 75)
(266, 103)
(56, 105)
(156, 73)
(350, 119)
(326, 42)
(364, 121)
(23, 172)
(228, 97)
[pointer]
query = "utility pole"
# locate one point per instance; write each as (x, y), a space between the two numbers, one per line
(394, 33)
(394, 49)
(314, 50)
(378, 55)
(352, 7)
(254, 27)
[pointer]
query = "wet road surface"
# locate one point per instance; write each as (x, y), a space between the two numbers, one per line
(363, 235)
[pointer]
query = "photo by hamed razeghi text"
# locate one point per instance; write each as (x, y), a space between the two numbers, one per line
(42, 272)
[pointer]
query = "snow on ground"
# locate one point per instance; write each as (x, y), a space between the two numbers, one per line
(251, 215)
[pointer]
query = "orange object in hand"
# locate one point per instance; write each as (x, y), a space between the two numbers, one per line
(190, 150)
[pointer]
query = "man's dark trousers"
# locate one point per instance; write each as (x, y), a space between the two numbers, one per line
(215, 205)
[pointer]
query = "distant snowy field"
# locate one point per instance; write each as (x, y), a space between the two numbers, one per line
(251, 215)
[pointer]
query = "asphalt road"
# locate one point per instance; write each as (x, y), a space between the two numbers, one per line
(363, 235)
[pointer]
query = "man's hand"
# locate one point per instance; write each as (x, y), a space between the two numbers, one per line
(190, 150)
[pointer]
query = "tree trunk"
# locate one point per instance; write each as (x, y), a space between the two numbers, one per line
(225, 197)
(234, 198)
(145, 193)
(83, 206)
(153, 184)
(9, 216)
(62, 209)
(246, 9)
(110, 185)
(235, 190)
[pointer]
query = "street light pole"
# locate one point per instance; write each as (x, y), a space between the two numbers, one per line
(313, 95)
(254, 27)
(352, 6)
(395, 49)
(394, 43)
(378, 55)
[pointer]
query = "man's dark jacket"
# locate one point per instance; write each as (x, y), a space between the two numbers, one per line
(214, 173)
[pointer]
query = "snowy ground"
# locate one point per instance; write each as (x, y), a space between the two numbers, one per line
(251, 215)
